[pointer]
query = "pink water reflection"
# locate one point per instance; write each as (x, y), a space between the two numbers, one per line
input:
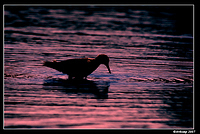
(150, 59)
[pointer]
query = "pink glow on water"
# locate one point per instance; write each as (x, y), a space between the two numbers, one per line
(151, 84)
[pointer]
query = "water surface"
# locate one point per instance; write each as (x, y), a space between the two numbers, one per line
(151, 60)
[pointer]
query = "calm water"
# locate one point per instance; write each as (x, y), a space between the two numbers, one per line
(151, 60)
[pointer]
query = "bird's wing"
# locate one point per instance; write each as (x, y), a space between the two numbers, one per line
(73, 65)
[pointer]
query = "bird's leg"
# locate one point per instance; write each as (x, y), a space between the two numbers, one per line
(78, 78)
(70, 77)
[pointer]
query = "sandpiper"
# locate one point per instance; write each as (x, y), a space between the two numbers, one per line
(79, 68)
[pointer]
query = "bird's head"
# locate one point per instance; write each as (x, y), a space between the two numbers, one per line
(103, 59)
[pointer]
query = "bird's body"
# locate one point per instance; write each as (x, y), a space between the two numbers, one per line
(79, 68)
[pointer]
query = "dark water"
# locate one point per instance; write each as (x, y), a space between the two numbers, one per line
(151, 59)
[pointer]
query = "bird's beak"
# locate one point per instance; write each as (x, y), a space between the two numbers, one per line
(107, 65)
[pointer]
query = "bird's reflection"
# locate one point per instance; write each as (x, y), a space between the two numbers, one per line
(98, 88)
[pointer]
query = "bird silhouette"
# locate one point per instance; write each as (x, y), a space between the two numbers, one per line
(79, 68)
